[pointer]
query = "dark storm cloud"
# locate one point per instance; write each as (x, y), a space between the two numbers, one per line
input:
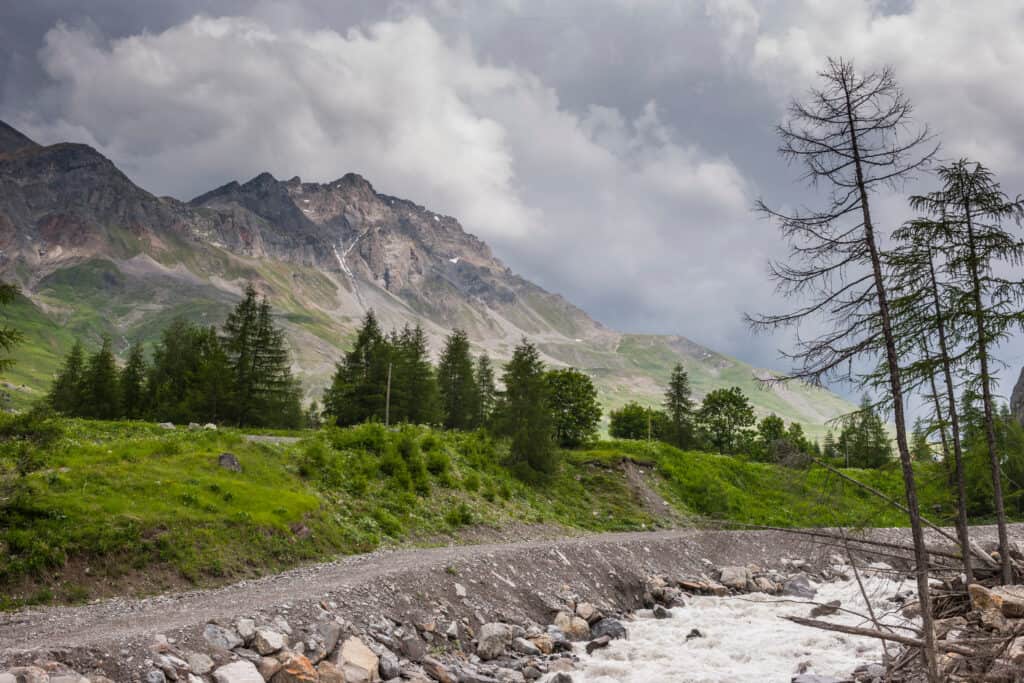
(609, 150)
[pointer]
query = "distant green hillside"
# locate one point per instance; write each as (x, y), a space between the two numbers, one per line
(147, 510)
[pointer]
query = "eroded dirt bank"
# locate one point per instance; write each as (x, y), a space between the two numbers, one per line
(476, 584)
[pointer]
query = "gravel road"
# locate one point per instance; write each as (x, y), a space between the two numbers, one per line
(505, 575)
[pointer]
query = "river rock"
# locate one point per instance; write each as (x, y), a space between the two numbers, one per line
(598, 643)
(246, 628)
(736, 578)
(694, 633)
(662, 613)
(492, 640)
(389, 665)
(524, 646)
(268, 666)
(229, 461)
(830, 607)
(544, 643)
(238, 672)
(330, 633)
(166, 425)
(587, 612)
(438, 671)
(221, 638)
(199, 663)
(766, 585)
(799, 586)
(267, 641)
(154, 676)
(572, 626)
(296, 668)
(608, 627)
(358, 662)
(814, 678)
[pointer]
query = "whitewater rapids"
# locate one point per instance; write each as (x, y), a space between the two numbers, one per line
(745, 640)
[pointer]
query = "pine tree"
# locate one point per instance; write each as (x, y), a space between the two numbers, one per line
(67, 394)
(211, 391)
(176, 359)
(103, 395)
(241, 333)
(864, 441)
(414, 388)
(460, 400)
(525, 416)
(276, 394)
(357, 391)
(919, 446)
(679, 408)
(133, 380)
(572, 400)
(485, 389)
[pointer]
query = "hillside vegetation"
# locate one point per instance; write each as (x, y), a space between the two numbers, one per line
(131, 507)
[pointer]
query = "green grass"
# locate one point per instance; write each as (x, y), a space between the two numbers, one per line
(130, 507)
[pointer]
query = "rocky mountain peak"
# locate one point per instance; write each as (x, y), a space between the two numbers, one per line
(13, 140)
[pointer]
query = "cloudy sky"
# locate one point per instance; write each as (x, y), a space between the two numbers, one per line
(609, 150)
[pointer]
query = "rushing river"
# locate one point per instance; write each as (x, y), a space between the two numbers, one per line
(744, 639)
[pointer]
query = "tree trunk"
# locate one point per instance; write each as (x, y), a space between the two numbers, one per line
(892, 360)
(954, 426)
(1006, 569)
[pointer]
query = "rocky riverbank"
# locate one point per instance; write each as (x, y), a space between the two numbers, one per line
(480, 614)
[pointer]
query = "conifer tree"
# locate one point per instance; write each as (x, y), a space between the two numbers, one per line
(211, 393)
(972, 209)
(133, 379)
(679, 408)
(275, 399)
(525, 416)
(103, 395)
(414, 390)
(864, 441)
(460, 398)
(176, 358)
(357, 391)
(67, 394)
(485, 389)
(919, 446)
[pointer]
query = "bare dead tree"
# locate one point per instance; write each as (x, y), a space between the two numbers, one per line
(854, 137)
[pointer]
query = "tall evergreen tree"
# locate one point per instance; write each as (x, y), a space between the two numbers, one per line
(241, 334)
(864, 440)
(414, 390)
(973, 209)
(357, 391)
(460, 398)
(276, 394)
(679, 408)
(133, 383)
(572, 400)
(176, 359)
(485, 389)
(525, 416)
(103, 394)
(67, 394)
(211, 391)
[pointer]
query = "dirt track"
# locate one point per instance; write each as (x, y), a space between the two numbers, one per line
(510, 578)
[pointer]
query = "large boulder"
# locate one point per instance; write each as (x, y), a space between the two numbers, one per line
(572, 626)
(736, 578)
(492, 640)
(799, 586)
(229, 461)
(358, 662)
(221, 638)
(267, 641)
(238, 672)
(608, 627)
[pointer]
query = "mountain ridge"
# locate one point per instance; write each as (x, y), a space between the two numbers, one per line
(96, 254)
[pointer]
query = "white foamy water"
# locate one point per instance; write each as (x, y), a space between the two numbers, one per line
(745, 640)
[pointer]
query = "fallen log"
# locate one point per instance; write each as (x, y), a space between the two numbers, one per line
(943, 645)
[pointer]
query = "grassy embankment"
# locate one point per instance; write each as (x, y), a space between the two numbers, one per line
(129, 507)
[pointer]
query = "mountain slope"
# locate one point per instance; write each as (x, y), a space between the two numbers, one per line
(95, 254)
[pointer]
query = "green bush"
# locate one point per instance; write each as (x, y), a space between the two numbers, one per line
(458, 516)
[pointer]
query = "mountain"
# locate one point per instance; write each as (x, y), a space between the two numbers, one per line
(96, 254)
